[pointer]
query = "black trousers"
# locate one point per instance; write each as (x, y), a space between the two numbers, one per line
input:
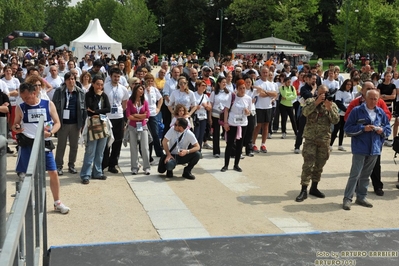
(338, 127)
(216, 135)
(285, 112)
(166, 118)
(231, 138)
(248, 135)
(301, 127)
(376, 175)
(111, 158)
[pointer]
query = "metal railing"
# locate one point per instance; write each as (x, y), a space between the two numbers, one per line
(26, 226)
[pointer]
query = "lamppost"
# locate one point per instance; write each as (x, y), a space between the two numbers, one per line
(348, 4)
(220, 12)
(161, 25)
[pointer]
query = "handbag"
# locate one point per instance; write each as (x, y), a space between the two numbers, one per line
(221, 118)
(97, 128)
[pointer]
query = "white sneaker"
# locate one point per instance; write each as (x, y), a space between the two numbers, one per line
(216, 155)
(147, 172)
(284, 135)
(331, 148)
(134, 172)
(207, 146)
(269, 136)
(341, 148)
(296, 151)
(61, 208)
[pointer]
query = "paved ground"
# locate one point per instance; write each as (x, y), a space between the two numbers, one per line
(260, 200)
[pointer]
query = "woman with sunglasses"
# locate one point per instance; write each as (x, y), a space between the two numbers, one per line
(343, 97)
(183, 96)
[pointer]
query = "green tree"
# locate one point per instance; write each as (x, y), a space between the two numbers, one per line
(184, 25)
(291, 19)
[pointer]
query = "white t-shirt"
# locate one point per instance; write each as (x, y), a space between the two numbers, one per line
(116, 96)
(152, 97)
(4, 87)
(202, 112)
(219, 102)
(122, 81)
(179, 97)
(345, 97)
(173, 136)
(55, 83)
(237, 116)
(12, 85)
(264, 102)
(331, 84)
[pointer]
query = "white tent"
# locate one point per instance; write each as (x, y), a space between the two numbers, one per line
(94, 39)
(62, 47)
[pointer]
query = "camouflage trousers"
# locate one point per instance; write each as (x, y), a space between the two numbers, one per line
(315, 155)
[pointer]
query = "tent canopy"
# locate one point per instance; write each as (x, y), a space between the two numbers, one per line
(62, 47)
(94, 39)
(271, 45)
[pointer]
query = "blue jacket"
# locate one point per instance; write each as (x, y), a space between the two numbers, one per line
(366, 143)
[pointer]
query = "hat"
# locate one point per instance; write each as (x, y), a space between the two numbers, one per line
(190, 61)
(206, 68)
(195, 61)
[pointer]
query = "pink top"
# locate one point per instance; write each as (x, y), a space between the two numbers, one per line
(132, 109)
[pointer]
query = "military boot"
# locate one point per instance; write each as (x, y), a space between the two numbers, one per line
(315, 192)
(303, 195)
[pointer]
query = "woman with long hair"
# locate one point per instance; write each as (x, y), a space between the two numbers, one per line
(97, 105)
(249, 90)
(343, 97)
(183, 96)
(85, 80)
(220, 98)
(201, 114)
(137, 112)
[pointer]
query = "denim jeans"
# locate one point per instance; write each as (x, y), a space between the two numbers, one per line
(93, 155)
(153, 126)
(362, 165)
(199, 132)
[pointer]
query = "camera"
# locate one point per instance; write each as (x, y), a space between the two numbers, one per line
(330, 95)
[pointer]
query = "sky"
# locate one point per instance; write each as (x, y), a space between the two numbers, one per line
(73, 2)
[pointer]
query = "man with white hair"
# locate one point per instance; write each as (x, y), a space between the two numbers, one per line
(54, 80)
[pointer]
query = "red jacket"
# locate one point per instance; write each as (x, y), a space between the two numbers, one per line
(359, 100)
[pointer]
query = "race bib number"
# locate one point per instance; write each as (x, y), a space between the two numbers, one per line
(239, 119)
(35, 114)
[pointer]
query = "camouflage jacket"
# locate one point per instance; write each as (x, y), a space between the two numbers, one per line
(319, 120)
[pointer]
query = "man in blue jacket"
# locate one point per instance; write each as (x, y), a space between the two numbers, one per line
(368, 126)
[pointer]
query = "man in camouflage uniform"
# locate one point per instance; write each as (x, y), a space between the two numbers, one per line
(320, 113)
(366, 74)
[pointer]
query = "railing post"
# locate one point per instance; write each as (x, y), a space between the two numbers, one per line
(3, 189)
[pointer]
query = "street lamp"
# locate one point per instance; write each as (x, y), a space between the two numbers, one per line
(348, 4)
(161, 25)
(220, 12)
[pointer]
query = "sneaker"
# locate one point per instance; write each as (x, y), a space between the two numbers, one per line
(346, 204)
(113, 170)
(147, 172)
(341, 148)
(296, 151)
(207, 146)
(263, 149)
(255, 149)
(331, 148)
(284, 135)
(9, 151)
(59, 171)
(61, 208)
(134, 172)
(388, 143)
(216, 155)
(269, 136)
(251, 154)
(364, 203)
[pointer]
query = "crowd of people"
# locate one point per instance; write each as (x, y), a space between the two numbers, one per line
(186, 107)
